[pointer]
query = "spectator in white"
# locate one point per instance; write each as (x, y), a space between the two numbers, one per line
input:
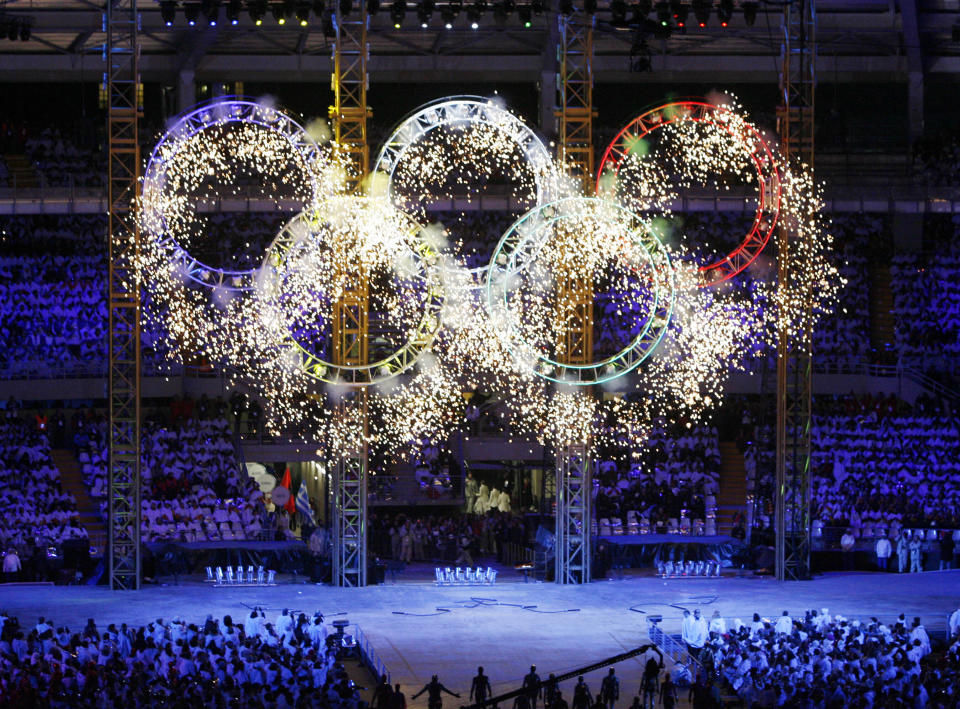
(903, 550)
(884, 550)
(918, 632)
(687, 630)
(784, 623)
(253, 625)
(916, 554)
(954, 623)
(717, 624)
(847, 542)
(11, 565)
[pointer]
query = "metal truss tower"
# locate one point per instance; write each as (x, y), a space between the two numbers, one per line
(351, 314)
(794, 383)
(123, 344)
(575, 294)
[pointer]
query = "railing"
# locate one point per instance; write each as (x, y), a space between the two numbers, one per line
(888, 371)
(672, 648)
(369, 656)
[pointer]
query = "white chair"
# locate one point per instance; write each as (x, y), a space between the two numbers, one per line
(260, 575)
(633, 527)
(230, 578)
(250, 575)
(673, 525)
(270, 576)
(448, 576)
(460, 578)
(616, 526)
(220, 580)
(710, 528)
(209, 574)
(605, 527)
(685, 526)
(439, 574)
(644, 525)
(491, 576)
(698, 527)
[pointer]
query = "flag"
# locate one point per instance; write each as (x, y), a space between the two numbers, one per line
(303, 506)
(290, 505)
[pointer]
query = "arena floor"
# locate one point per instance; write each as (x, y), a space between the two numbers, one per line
(568, 627)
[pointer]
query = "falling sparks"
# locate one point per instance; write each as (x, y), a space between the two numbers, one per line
(365, 292)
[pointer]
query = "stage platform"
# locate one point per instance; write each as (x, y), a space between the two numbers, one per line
(569, 626)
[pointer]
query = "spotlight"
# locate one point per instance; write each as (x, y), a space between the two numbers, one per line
(475, 12)
(279, 12)
(449, 13)
(397, 10)
(566, 7)
(191, 11)
(257, 9)
(424, 12)
(680, 14)
(750, 10)
(233, 11)
(526, 16)
(701, 9)
(725, 12)
(303, 15)
(210, 10)
(663, 13)
(346, 7)
(618, 13)
(168, 12)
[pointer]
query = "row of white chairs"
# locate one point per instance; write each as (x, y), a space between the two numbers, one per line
(688, 569)
(465, 577)
(686, 526)
(227, 577)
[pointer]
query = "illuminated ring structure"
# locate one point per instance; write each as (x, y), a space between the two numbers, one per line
(461, 110)
(218, 113)
(524, 240)
(423, 333)
(760, 155)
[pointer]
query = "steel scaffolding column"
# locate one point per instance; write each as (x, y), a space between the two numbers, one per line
(351, 313)
(123, 343)
(575, 96)
(575, 295)
(794, 387)
(349, 81)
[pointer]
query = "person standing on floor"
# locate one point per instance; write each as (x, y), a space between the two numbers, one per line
(903, 550)
(480, 687)
(610, 689)
(668, 693)
(434, 689)
(531, 683)
(884, 549)
(581, 694)
(916, 555)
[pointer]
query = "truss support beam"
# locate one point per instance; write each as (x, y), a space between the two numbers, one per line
(123, 112)
(573, 515)
(575, 293)
(351, 326)
(794, 381)
(350, 82)
(575, 95)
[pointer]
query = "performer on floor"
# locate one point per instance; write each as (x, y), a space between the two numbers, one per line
(434, 689)
(480, 687)
(531, 683)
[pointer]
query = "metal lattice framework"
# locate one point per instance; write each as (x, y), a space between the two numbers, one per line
(523, 243)
(575, 104)
(794, 384)
(573, 515)
(742, 134)
(351, 314)
(123, 82)
(349, 363)
(309, 160)
(349, 112)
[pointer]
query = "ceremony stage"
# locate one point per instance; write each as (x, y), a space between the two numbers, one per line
(632, 551)
(418, 629)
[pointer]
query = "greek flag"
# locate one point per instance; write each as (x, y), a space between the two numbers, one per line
(303, 506)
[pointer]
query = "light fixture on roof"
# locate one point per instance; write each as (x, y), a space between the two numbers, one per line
(750, 10)
(257, 9)
(725, 12)
(701, 10)
(397, 11)
(303, 14)
(191, 11)
(425, 12)
(525, 13)
(168, 12)
(233, 11)
(211, 11)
